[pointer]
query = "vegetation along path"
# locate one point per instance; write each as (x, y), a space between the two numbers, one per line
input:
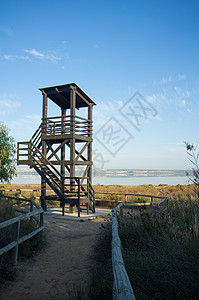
(61, 267)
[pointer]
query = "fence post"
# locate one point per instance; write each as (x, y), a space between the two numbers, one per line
(78, 181)
(16, 237)
(151, 200)
(62, 203)
(31, 206)
(41, 219)
(121, 211)
(125, 198)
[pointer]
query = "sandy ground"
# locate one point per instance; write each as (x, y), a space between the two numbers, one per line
(59, 268)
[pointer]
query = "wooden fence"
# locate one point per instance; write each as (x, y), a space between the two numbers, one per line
(122, 289)
(17, 240)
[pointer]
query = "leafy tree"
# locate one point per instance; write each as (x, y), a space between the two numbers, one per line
(7, 155)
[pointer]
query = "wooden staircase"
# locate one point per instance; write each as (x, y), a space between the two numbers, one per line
(67, 189)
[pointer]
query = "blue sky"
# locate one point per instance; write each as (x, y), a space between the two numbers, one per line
(112, 50)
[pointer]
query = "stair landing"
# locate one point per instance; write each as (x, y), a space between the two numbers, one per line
(57, 213)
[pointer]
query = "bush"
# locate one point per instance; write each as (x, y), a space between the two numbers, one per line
(26, 249)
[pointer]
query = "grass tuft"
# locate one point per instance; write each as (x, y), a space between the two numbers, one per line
(160, 251)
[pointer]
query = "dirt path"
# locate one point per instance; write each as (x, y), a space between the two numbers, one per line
(63, 265)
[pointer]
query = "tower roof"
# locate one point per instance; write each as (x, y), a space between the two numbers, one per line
(60, 95)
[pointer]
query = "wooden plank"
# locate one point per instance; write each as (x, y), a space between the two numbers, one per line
(69, 162)
(59, 138)
(16, 219)
(84, 175)
(78, 117)
(16, 237)
(57, 149)
(83, 98)
(30, 235)
(79, 154)
(123, 289)
(8, 247)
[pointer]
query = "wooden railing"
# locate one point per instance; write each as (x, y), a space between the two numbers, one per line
(17, 240)
(72, 188)
(122, 289)
(24, 148)
(62, 125)
(36, 138)
(23, 153)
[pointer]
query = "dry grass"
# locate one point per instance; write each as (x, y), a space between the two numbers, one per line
(160, 250)
(26, 249)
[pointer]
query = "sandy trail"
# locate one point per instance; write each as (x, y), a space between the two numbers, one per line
(61, 266)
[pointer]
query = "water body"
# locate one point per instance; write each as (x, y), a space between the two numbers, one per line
(129, 180)
(123, 180)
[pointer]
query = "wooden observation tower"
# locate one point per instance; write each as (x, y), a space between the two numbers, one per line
(61, 146)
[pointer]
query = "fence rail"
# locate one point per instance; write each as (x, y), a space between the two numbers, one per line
(16, 222)
(62, 125)
(122, 289)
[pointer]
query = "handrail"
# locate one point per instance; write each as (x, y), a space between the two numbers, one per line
(49, 163)
(122, 289)
(16, 222)
(37, 134)
(67, 116)
(62, 125)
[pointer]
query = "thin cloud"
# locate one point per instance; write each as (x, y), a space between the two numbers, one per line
(7, 105)
(30, 122)
(165, 80)
(15, 57)
(34, 52)
(181, 77)
(182, 103)
(49, 56)
(8, 57)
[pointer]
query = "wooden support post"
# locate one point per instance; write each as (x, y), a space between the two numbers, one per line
(41, 219)
(63, 208)
(63, 158)
(72, 145)
(63, 112)
(62, 202)
(78, 181)
(16, 237)
(43, 181)
(90, 169)
(31, 206)
(90, 117)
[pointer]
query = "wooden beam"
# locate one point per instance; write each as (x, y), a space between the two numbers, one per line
(57, 149)
(70, 162)
(90, 171)
(43, 181)
(83, 98)
(60, 137)
(79, 155)
(63, 113)
(53, 154)
(84, 175)
(61, 96)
